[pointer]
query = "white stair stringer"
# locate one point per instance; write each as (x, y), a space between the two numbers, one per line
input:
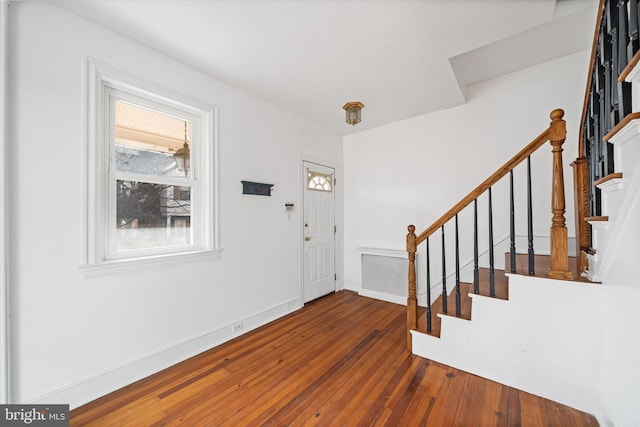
(599, 240)
(544, 340)
(631, 196)
(617, 196)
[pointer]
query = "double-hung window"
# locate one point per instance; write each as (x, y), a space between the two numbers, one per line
(151, 164)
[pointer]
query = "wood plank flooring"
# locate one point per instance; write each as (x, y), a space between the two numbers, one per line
(340, 361)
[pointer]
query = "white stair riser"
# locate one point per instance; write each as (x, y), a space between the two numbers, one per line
(527, 341)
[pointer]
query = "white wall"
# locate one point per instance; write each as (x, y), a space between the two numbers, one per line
(73, 338)
(620, 371)
(411, 172)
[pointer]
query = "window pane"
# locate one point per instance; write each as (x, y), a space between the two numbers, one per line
(318, 181)
(152, 215)
(145, 162)
(146, 141)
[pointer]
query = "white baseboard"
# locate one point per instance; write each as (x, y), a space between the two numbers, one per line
(106, 382)
(396, 299)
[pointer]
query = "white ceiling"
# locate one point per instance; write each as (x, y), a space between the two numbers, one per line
(400, 58)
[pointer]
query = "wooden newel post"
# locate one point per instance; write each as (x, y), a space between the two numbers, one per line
(559, 238)
(412, 299)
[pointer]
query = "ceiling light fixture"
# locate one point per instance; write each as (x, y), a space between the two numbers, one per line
(183, 155)
(353, 112)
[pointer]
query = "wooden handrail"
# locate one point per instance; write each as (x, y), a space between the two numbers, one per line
(556, 115)
(592, 61)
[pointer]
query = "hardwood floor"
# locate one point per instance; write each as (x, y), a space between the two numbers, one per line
(340, 361)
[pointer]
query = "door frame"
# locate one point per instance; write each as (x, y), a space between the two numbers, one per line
(302, 176)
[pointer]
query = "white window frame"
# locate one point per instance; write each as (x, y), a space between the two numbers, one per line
(104, 85)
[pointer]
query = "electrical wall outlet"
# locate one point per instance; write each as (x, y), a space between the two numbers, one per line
(236, 328)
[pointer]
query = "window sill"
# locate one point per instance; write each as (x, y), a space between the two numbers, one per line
(116, 266)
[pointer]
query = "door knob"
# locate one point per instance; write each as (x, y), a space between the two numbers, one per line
(307, 238)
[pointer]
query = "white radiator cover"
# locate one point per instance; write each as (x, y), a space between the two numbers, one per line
(384, 274)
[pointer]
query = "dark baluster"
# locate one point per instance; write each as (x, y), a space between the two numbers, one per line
(458, 308)
(444, 275)
(624, 103)
(589, 133)
(608, 159)
(429, 327)
(595, 161)
(591, 164)
(530, 252)
(634, 44)
(636, 15)
(597, 149)
(607, 149)
(588, 142)
(624, 88)
(512, 225)
(476, 271)
(492, 273)
(602, 122)
(595, 175)
(607, 94)
(623, 35)
(611, 13)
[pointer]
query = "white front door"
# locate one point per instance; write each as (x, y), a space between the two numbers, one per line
(318, 231)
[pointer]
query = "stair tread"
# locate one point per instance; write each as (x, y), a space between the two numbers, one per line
(541, 265)
(466, 288)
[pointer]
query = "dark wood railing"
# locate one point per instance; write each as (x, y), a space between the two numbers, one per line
(556, 134)
(607, 102)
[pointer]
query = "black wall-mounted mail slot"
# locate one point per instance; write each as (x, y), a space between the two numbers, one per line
(257, 188)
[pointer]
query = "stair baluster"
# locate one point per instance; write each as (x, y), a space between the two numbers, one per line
(530, 252)
(634, 43)
(429, 322)
(444, 274)
(512, 225)
(623, 35)
(492, 273)
(612, 29)
(624, 88)
(458, 308)
(476, 271)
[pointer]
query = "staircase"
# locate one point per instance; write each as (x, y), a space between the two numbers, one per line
(542, 265)
(538, 325)
(466, 290)
(526, 327)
